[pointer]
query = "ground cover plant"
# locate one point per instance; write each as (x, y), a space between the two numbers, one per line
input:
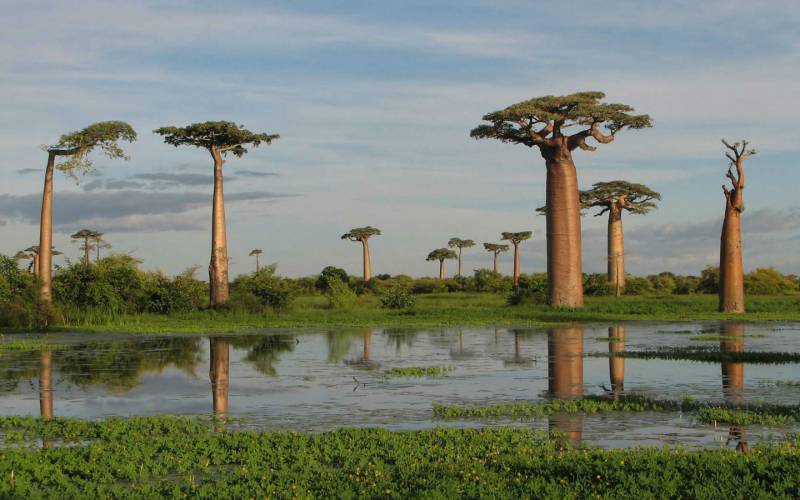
(418, 371)
(707, 354)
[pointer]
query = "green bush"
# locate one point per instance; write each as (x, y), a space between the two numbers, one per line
(398, 297)
(428, 285)
(339, 294)
(768, 281)
(635, 285)
(597, 285)
(709, 280)
(532, 289)
(265, 287)
(328, 272)
(485, 280)
(663, 283)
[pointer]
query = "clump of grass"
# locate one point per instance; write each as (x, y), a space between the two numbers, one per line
(721, 338)
(418, 371)
(609, 339)
(744, 417)
(707, 354)
(28, 345)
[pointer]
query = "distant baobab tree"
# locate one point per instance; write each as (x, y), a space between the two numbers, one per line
(32, 253)
(362, 235)
(255, 253)
(87, 235)
(731, 273)
(540, 122)
(441, 254)
(615, 197)
(460, 244)
(496, 249)
(516, 239)
(219, 138)
(98, 242)
(75, 148)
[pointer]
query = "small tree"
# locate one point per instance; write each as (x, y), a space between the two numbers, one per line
(255, 253)
(460, 244)
(219, 138)
(615, 197)
(540, 122)
(74, 148)
(98, 242)
(362, 235)
(441, 254)
(516, 239)
(731, 270)
(85, 235)
(496, 249)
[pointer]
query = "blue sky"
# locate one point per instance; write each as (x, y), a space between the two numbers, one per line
(374, 102)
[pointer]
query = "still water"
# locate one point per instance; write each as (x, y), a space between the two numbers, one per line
(321, 379)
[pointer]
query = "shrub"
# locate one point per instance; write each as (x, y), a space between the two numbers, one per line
(428, 285)
(663, 283)
(327, 273)
(597, 285)
(339, 294)
(635, 285)
(532, 290)
(398, 297)
(685, 285)
(768, 281)
(263, 288)
(485, 280)
(709, 280)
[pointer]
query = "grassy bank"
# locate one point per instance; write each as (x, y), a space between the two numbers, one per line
(445, 309)
(179, 457)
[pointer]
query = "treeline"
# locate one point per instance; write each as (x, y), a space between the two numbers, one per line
(115, 285)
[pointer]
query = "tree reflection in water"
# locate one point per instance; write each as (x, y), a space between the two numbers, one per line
(219, 372)
(565, 377)
(263, 351)
(616, 364)
(733, 381)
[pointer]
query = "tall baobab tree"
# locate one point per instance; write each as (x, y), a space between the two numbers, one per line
(98, 242)
(74, 148)
(460, 244)
(516, 239)
(362, 235)
(496, 249)
(540, 122)
(255, 253)
(615, 197)
(441, 254)
(219, 138)
(87, 235)
(731, 272)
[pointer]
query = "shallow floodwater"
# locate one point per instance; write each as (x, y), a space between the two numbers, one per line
(322, 379)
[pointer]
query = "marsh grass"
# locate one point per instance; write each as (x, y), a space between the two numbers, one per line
(417, 371)
(707, 354)
(724, 338)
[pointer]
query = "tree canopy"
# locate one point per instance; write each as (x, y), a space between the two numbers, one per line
(220, 136)
(256, 251)
(495, 247)
(517, 238)
(361, 233)
(441, 254)
(77, 145)
(459, 243)
(635, 198)
(540, 121)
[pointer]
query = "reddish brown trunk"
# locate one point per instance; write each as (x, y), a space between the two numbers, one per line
(564, 272)
(616, 250)
(219, 372)
(46, 384)
(616, 364)
(367, 346)
(731, 272)
(46, 233)
(733, 380)
(516, 264)
(367, 263)
(565, 376)
(441, 270)
(36, 264)
(218, 268)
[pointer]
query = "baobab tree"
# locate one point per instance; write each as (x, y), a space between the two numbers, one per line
(615, 197)
(219, 138)
(496, 249)
(32, 253)
(460, 244)
(98, 242)
(441, 254)
(516, 239)
(255, 253)
(362, 235)
(540, 122)
(87, 235)
(74, 148)
(731, 272)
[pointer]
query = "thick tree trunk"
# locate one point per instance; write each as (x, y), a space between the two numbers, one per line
(219, 373)
(516, 265)
(367, 263)
(616, 364)
(496, 258)
(731, 272)
(565, 376)
(46, 233)
(441, 270)
(46, 384)
(564, 272)
(218, 268)
(616, 250)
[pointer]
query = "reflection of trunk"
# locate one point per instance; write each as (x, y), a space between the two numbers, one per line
(46, 232)
(496, 258)
(516, 264)
(219, 373)
(616, 249)
(218, 268)
(565, 376)
(367, 263)
(564, 275)
(733, 381)
(367, 346)
(441, 269)
(731, 273)
(517, 345)
(616, 364)
(46, 384)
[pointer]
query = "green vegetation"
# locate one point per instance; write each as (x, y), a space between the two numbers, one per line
(179, 457)
(746, 417)
(418, 371)
(708, 354)
(724, 338)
